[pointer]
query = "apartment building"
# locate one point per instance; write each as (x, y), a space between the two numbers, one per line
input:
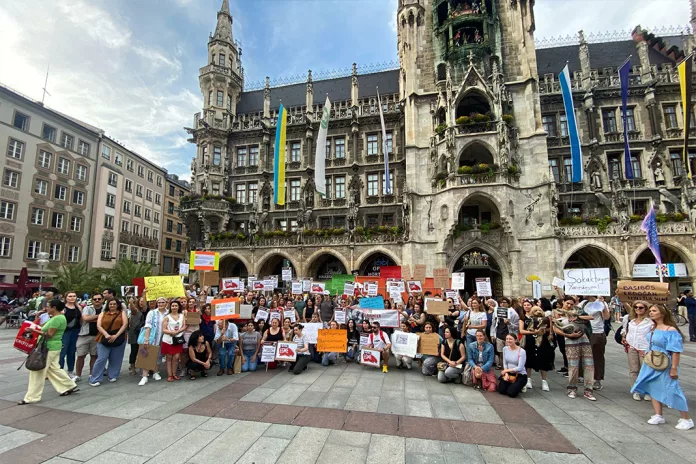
(174, 245)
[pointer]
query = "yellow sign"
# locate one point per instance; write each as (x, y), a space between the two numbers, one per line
(532, 278)
(332, 341)
(164, 286)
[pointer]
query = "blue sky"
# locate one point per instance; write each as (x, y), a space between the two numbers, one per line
(131, 66)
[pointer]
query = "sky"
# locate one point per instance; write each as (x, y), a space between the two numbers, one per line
(131, 67)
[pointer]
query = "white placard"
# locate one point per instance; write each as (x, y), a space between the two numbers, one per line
(370, 357)
(458, 282)
(397, 284)
(306, 285)
(592, 282)
(231, 284)
(184, 269)
(261, 315)
(414, 286)
(297, 287)
(364, 340)
(483, 286)
(349, 288)
(208, 299)
(371, 288)
(268, 352)
(311, 331)
(652, 270)
(286, 274)
(201, 260)
(404, 343)
(286, 351)
(289, 314)
(224, 310)
(452, 294)
(340, 316)
(269, 285)
(394, 293)
(385, 317)
(275, 315)
(257, 285)
(318, 287)
(560, 283)
(245, 311)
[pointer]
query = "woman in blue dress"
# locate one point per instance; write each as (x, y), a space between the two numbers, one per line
(663, 386)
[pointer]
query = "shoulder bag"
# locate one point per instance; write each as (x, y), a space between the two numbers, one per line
(178, 339)
(36, 361)
(119, 340)
(656, 360)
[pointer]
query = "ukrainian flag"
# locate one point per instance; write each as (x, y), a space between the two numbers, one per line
(279, 158)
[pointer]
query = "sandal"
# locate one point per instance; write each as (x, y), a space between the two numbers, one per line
(70, 392)
(176, 377)
(22, 402)
(170, 379)
(192, 376)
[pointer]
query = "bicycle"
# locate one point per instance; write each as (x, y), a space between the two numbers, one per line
(680, 320)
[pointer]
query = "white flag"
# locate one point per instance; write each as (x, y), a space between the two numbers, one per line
(320, 158)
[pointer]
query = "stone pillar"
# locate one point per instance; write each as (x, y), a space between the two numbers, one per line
(309, 97)
(584, 52)
(645, 74)
(267, 100)
(354, 86)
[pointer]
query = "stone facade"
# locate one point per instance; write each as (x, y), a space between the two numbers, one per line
(174, 245)
(477, 151)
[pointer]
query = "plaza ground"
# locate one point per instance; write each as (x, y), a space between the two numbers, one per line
(345, 413)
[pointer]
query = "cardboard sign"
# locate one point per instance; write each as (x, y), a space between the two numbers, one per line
(414, 286)
(147, 357)
(268, 352)
(184, 269)
(393, 272)
(436, 307)
(245, 311)
(332, 341)
(164, 286)
(595, 281)
(483, 286)
(286, 351)
(386, 317)
(419, 272)
(317, 287)
(204, 261)
(364, 340)
(458, 282)
(193, 318)
(306, 285)
(349, 288)
(452, 294)
(406, 272)
(261, 315)
(371, 288)
(289, 314)
(428, 344)
(225, 308)
(230, 284)
(286, 274)
(26, 340)
(441, 277)
(311, 331)
(653, 292)
(404, 343)
(296, 287)
(210, 278)
(560, 283)
(340, 316)
(376, 302)
(370, 357)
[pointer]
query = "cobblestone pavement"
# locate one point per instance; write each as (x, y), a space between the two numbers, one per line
(345, 413)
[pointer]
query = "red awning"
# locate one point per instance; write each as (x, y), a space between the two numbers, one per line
(44, 285)
(4, 286)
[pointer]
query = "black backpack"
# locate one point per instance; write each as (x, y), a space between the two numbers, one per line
(618, 335)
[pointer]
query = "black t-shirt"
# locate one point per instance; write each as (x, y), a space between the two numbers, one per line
(72, 317)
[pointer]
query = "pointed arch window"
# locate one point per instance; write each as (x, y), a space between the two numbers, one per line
(221, 58)
(220, 98)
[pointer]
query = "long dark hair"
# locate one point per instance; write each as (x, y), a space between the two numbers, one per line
(193, 341)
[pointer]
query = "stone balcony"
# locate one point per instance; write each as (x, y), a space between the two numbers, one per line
(615, 229)
(616, 137)
(137, 240)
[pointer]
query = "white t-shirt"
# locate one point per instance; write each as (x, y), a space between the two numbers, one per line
(595, 309)
(379, 340)
(476, 319)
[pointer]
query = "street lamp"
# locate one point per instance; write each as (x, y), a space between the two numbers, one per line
(42, 262)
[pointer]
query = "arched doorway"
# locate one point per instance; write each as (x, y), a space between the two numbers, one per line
(473, 102)
(475, 154)
(273, 265)
(325, 266)
(674, 268)
(476, 211)
(590, 257)
(372, 265)
(231, 266)
(477, 263)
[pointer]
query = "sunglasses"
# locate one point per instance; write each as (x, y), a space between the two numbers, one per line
(97, 299)
(639, 307)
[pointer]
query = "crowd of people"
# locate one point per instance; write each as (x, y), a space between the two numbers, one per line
(488, 344)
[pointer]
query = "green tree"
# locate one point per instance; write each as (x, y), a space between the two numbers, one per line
(75, 277)
(123, 273)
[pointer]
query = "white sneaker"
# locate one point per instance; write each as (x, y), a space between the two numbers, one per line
(156, 376)
(529, 384)
(545, 386)
(143, 381)
(647, 398)
(112, 380)
(524, 389)
(685, 424)
(76, 378)
(656, 420)
(94, 384)
(636, 396)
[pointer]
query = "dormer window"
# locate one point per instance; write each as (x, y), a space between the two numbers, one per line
(222, 59)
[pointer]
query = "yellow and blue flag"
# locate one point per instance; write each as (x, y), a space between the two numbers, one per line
(279, 158)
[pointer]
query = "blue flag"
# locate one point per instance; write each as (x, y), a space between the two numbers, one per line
(649, 226)
(575, 150)
(624, 71)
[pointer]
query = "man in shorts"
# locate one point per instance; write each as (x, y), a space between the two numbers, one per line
(380, 341)
(86, 343)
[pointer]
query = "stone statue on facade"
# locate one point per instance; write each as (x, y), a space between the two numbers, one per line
(596, 180)
(406, 211)
(352, 215)
(659, 174)
(624, 220)
(266, 197)
(553, 194)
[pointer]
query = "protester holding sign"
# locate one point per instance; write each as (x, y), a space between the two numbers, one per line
(453, 356)
(535, 329)
(250, 341)
(475, 320)
(273, 334)
(226, 338)
(402, 361)
(380, 341)
(330, 358)
(173, 327)
(429, 365)
(303, 357)
(151, 335)
(353, 340)
(417, 319)
(505, 321)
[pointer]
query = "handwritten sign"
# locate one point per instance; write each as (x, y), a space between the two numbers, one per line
(386, 318)
(225, 308)
(340, 316)
(458, 282)
(436, 307)
(405, 271)
(261, 315)
(311, 331)
(653, 292)
(349, 288)
(428, 344)
(404, 343)
(394, 293)
(289, 314)
(364, 340)
(419, 272)
(230, 284)
(371, 288)
(332, 341)
(184, 269)
(595, 281)
(286, 273)
(370, 357)
(452, 294)
(296, 287)
(245, 311)
(560, 283)
(286, 351)
(164, 287)
(204, 260)
(306, 285)
(376, 302)
(483, 286)
(441, 277)
(268, 352)
(414, 286)
(275, 315)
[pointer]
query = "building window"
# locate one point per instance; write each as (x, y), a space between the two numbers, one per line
(141, 171)
(372, 220)
(168, 243)
(615, 171)
(49, 133)
(75, 224)
(123, 251)
(327, 154)
(11, 179)
(170, 207)
(67, 141)
(21, 121)
(340, 147)
(609, 120)
(179, 228)
(630, 120)
(241, 156)
(372, 185)
(5, 246)
(240, 193)
(217, 156)
(158, 199)
(640, 207)
(221, 59)
(73, 254)
(170, 225)
(210, 97)
(125, 226)
(110, 200)
(57, 220)
(159, 181)
(171, 190)
(157, 217)
(45, 159)
(635, 164)
(329, 187)
(254, 156)
(134, 254)
(670, 116)
(37, 216)
(216, 188)
(136, 229)
(15, 149)
(387, 219)
(108, 221)
(372, 144)
(148, 195)
(389, 145)
(549, 124)
(119, 159)
(106, 250)
(81, 173)
(555, 171)
(325, 223)
(178, 245)
(568, 169)
(677, 163)
(129, 186)
(54, 251)
(41, 187)
(295, 190)
(340, 185)
(295, 152)
(78, 197)
(153, 257)
(138, 190)
(33, 249)
(113, 179)
(60, 193)
(155, 234)
(146, 232)
(129, 164)
(7, 210)
(137, 211)
(106, 152)
(391, 184)
(220, 98)
(63, 166)
(150, 176)
(253, 191)
(83, 148)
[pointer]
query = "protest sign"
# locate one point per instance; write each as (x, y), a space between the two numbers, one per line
(286, 274)
(336, 285)
(147, 357)
(371, 288)
(405, 272)
(230, 284)
(164, 287)
(306, 285)
(269, 285)
(376, 302)
(387, 272)
(289, 314)
(436, 307)
(386, 318)
(184, 269)
(257, 285)
(595, 281)
(483, 286)
(404, 343)
(286, 351)
(245, 311)
(370, 357)
(225, 308)
(26, 340)
(204, 261)
(414, 286)
(261, 315)
(654, 270)
(208, 299)
(332, 341)
(452, 294)
(296, 287)
(193, 318)
(560, 283)
(653, 292)
(210, 278)
(398, 284)
(419, 272)
(268, 352)
(318, 287)
(394, 293)
(275, 315)
(428, 344)
(129, 291)
(311, 331)
(349, 288)
(364, 340)
(340, 316)
(441, 277)
(458, 282)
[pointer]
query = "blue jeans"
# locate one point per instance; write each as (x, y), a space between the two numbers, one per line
(352, 352)
(69, 348)
(226, 351)
(470, 339)
(329, 358)
(249, 365)
(114, 356)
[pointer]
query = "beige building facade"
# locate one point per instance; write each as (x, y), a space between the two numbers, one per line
(174, 244)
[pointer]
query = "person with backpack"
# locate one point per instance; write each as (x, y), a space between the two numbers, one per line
(86, 340)
(380, 341)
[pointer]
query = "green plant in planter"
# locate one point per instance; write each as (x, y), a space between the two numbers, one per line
(483, 167)
(482, 118)
(241, 236)
(485, 227)
(635, 218)
(678, 217)
(476, 169)
(308, 232)
(440, 129)
(575, 220)
(512, 169)
(508, 118)
(463, 120)
(465, 170)
(231, 200)
(661, 218)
